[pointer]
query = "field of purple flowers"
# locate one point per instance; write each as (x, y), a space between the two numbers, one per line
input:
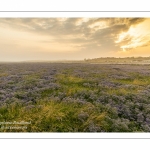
(74, 97)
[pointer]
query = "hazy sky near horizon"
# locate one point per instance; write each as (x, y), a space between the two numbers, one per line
(23, 39)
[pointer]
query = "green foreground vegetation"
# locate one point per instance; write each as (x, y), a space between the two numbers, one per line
(75, 98)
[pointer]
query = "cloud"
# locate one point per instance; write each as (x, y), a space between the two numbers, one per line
(135, 36)
(84, 34)
(66, 25)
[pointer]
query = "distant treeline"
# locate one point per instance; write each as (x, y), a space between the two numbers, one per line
(119, 60)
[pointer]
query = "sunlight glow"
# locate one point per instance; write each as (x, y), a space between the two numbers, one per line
(136, 36)
(73, 38)
(123, 49)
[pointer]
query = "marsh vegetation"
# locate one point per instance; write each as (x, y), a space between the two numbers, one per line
(75, 97)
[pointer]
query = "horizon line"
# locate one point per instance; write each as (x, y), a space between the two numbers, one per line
(63, 60)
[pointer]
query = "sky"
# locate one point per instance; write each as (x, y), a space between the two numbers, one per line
(26, 39)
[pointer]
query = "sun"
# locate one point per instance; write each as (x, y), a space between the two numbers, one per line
(123, 49)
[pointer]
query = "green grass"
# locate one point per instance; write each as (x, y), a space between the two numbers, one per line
(46, 93)
(73, 106)
(120, 91)
(30, 79)
(71, 84)
(135, 79)
(52, 116)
